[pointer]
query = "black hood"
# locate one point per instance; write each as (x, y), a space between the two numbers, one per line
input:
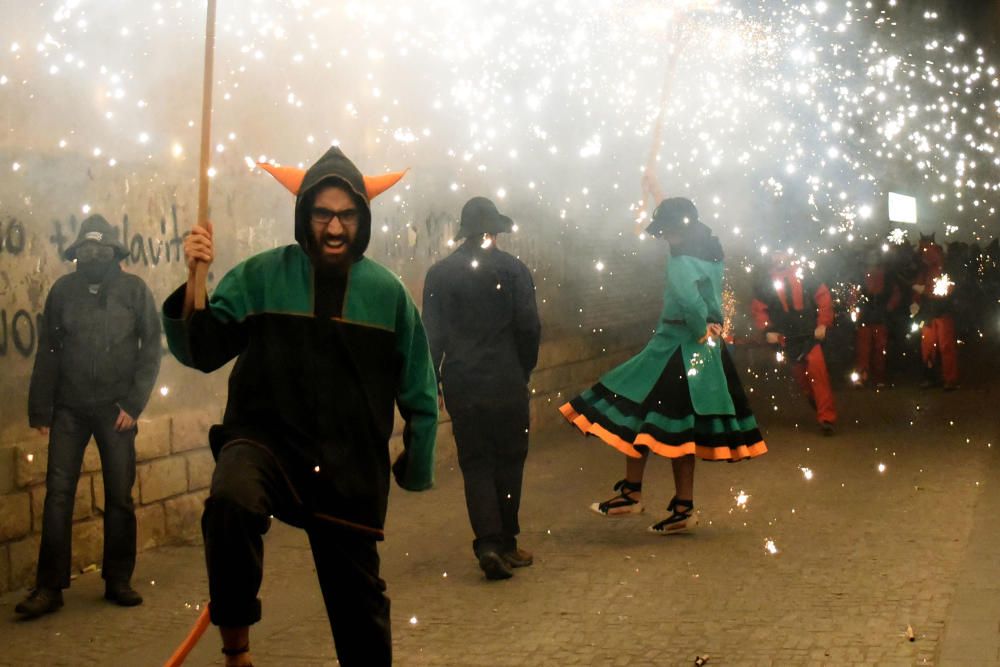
(333, 168)
(698, 242)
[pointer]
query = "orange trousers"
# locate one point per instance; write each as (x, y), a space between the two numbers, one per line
(870, 350)
(813, 378)
(938, 338)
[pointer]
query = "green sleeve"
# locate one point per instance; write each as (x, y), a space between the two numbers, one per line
(682, 281)
(209, 338)
(416, 398)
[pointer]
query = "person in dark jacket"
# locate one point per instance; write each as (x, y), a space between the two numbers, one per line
(933, 309)
(879, 296)
(482, 323)
(98, 358)
(327, 342)
(794, 310)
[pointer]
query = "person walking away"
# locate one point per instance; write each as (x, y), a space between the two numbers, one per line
(482, 323)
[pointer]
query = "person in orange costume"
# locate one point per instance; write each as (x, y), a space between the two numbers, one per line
(794, 312)
(932, 308)
(879, 296)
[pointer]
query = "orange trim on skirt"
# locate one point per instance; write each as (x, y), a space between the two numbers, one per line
(627, 448)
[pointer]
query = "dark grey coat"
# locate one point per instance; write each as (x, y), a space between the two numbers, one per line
(95, 349)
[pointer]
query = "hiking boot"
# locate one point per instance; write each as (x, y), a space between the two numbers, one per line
(122, 594)
(494, 566)
(517, 558)
(41, 601)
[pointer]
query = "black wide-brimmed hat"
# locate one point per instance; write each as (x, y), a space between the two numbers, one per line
(672, 213)
(96, 229)
(480, 216)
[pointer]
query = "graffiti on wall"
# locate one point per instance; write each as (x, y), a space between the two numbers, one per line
(20, 323)
(18, 332)
(147, 250)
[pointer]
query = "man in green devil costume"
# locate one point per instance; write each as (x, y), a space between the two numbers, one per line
(327, 342)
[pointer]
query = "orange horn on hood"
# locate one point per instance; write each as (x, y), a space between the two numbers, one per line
(376, 185)
(292, 178)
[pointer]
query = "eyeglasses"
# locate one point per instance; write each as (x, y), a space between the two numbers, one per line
(91, 251)
(323, 216)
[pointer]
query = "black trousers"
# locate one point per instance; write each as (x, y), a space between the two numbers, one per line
(492, 443)
(68, 437)
(248, 487)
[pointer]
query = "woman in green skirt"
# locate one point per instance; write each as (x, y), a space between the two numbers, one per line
(680, 397)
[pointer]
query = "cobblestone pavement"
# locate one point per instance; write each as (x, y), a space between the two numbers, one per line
(861, 555)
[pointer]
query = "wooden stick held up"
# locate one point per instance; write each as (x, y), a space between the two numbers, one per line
(201, 270)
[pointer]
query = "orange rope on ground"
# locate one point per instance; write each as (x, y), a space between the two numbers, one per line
(186, 646)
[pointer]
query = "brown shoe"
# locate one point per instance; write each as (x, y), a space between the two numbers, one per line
(518, 558)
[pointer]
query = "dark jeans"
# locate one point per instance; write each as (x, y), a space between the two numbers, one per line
(248, 487)
(71, 431)
(492, 443)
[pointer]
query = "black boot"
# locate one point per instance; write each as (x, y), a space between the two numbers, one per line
(122, 594)
(494, 566)
(41, 601)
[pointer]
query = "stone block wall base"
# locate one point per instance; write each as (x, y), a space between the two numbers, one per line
(24, 561)
(183, 517)
(15, 516)
(4, 569)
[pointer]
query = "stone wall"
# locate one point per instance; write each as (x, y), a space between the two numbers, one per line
(173, 472)
(592, 317)
(174, 468)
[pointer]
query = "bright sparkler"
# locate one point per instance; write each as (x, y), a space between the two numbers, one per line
(480, 89)
(943, 285)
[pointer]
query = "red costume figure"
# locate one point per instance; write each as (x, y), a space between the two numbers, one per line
(794, 312)
(932, 309)
(879, 296)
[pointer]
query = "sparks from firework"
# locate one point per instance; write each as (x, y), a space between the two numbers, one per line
(943, 285)
(848, 95)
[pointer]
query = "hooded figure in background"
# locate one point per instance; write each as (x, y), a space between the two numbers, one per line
(933, 310)
(680, 397)
(794, 310)
(327, 342)
(482, 322)
(98, 358)
(879, 296)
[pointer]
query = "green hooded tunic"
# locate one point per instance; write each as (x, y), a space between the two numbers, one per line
(692, 298)
(322, 362)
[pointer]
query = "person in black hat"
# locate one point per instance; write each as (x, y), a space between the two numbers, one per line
(680, 397)
(482, 324)
(98, 358)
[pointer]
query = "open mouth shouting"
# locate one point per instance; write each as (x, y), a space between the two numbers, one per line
(335, 244)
